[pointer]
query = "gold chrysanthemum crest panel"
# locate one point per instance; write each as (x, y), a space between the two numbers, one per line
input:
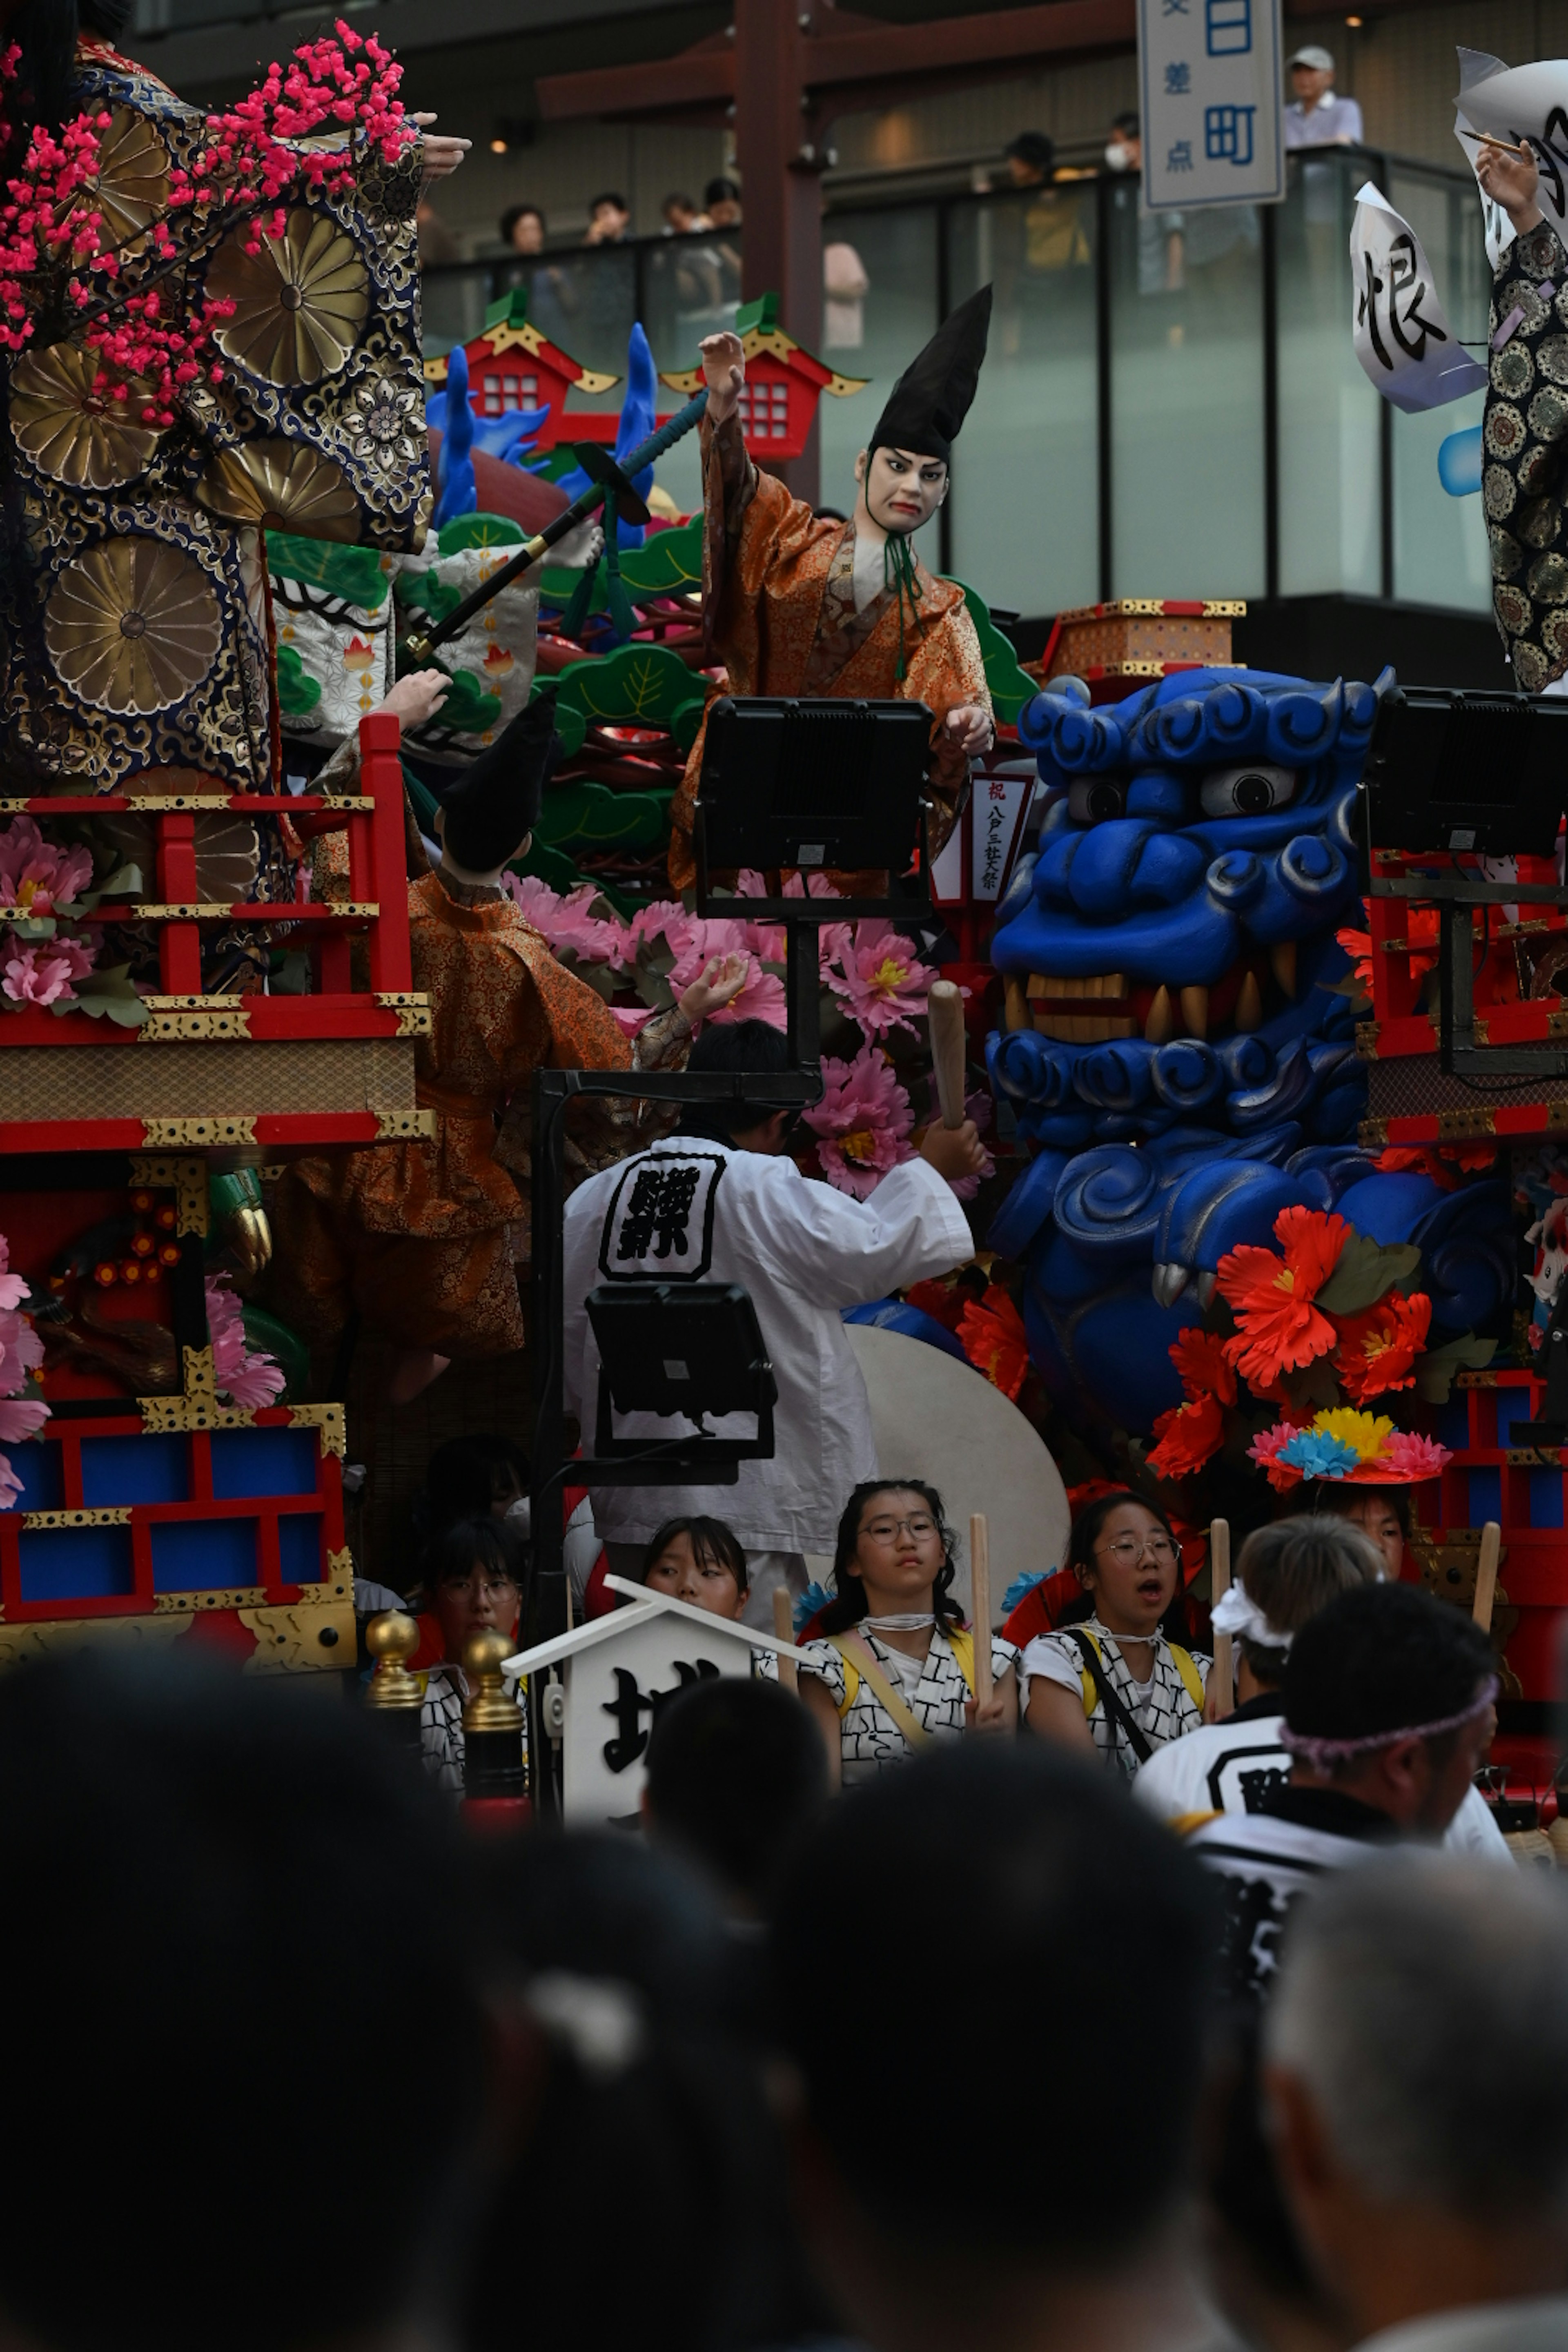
(131, 186)
(132, 625)
(72, 432)
(300, 301)
(282, 486)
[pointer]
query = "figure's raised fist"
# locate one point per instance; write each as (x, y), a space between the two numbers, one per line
(724, 371)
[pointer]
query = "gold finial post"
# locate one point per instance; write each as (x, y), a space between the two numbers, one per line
(492, 1722)
(395, 1696)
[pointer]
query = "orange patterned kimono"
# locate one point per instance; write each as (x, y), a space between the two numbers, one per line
(422, 1238)
(779, 587)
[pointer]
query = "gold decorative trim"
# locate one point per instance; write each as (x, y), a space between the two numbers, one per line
(405, 1125)
(190, 1604)
(413, 1012)
(356, 804)
(172, 1134)
(170, 1018)
(221, 910)
(301, 1637)
(1366, 1036)
(1465, 1126)
(120, 1516)
(1475, 1380)
(1372, 1135)
(1556, 1023)
(1556, 1117)
(188, 1179)
(1534, 1457)
(174, 803)
(22, 1645)
(328, 1419)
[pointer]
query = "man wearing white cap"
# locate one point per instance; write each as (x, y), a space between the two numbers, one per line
(1319, 118)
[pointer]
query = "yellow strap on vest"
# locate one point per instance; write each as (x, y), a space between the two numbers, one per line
(856, 1655)
(1192, 1682)
(960, 1643)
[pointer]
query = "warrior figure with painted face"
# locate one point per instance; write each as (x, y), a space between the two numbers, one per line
(800, 604)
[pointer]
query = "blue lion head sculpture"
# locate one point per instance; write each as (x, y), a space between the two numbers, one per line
(1189, 1069)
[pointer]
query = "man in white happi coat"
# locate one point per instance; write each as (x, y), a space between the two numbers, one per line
(718, 1201)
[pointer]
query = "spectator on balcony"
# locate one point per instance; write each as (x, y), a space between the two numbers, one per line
(1030, 159)
(609, 220)
(1124, 147)
(721, 201)
(523, 228)
(438, 248)
(1318, 117)
(681, 216)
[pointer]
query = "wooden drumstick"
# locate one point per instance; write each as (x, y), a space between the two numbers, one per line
(1486, 1575)
(945, 1005)
(1489, 139)
(783, 1626)
(1219, 1585)
(980, 1598)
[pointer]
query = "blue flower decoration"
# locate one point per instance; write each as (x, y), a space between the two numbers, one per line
(1317, 1455)
(814, 1597)
(1020, 1587)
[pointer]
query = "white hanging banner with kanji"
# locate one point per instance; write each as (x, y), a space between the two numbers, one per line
(1403, 338)
(1213, 126)
(997, 812)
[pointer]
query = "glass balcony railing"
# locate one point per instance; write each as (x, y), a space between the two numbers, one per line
(1171, 405)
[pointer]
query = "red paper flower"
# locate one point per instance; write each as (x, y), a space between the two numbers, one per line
(1199, 1357)
(995, 1341)
(1378, 1348)
(1281, 1329)
(1188, 1436)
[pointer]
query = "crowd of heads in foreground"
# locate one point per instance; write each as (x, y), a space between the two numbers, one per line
(999, 2042)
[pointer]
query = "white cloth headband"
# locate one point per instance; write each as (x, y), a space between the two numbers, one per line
(1239, 1613)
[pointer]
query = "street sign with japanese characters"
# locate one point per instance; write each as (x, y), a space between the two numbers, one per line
(1403, 338)
(618, 1670)
(1212, 125)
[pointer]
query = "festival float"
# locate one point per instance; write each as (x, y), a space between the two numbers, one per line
(1238, 1235)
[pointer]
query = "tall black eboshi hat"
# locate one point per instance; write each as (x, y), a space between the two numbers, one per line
(496, 800)
(927, 407)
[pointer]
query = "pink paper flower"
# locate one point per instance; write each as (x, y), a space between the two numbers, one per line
(21, 1352)
(1263, 1450)
(43, 970)
(1409, 1456)
(244, 1375)
(38, 874)
(565, 924)
(862, 1123)
(880, 983)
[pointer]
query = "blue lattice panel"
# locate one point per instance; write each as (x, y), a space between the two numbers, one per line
(238, 1524)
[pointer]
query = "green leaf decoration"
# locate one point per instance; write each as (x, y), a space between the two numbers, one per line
(687, 720)
(478, 530)
(298, 692)
(423, 591)
(1435, 1371)
(107, 993)
(1365, 1270)
(587, 815)
(283, 1344)
(569, 723)
(124, 882)
(640, 686)
(668, 563)
(354, 573)
(470, 709)
(1011, 685)
(558, 585)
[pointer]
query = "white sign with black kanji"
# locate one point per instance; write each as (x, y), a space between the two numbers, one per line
(659, 1224)
(1213, 130)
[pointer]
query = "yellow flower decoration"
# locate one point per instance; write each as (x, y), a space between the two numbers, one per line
(281, 486)
(132, 625)
(1368, 1433)
(72, 432)
(299, 303)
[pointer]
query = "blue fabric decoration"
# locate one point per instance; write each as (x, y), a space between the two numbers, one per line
(1020, 1589)
(456, 492)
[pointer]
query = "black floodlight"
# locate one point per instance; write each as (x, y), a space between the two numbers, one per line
(681, 1349)
(813, 783)
(1450, 767)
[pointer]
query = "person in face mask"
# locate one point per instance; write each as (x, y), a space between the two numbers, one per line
(1124, 148)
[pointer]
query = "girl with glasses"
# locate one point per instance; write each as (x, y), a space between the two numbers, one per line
(896, 1669)
(475, 1585)
(1115, 1683)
